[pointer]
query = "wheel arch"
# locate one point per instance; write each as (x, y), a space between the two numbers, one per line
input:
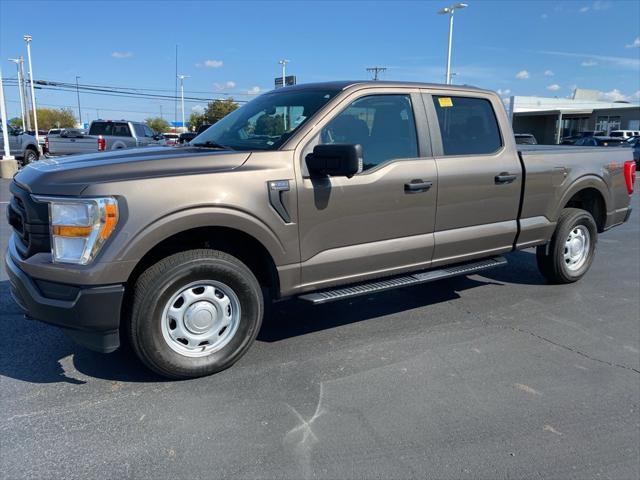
(588, 193)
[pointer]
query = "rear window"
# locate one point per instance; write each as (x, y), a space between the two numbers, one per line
(116, 129)
(468, 126)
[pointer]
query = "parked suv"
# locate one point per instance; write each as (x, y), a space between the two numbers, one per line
(322, 192)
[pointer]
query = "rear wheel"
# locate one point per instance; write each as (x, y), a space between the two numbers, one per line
(569, 254)
(195, 313)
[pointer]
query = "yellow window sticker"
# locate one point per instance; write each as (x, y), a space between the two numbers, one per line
(445, 102)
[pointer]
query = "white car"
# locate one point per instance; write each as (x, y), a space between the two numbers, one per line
(625, 133)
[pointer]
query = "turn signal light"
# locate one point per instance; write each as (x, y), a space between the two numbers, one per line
(71, 231)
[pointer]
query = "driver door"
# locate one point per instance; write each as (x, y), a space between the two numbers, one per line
(375, 223)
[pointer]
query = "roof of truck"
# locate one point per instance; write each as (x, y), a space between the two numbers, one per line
(344, 84)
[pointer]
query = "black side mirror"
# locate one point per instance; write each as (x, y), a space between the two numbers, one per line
(335, 160)
(17, 131)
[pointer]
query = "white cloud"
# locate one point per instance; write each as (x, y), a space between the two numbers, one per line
(634, 44)
(228, 85)
(522, 75)
(636, 95)
(549, 73)
(199, 109)
(122, 54)
(614, 95)
(254, 91)
(589, 63)
(503, 93)
(210, 64)
(621, 62)
(584, 9)
(553, 87)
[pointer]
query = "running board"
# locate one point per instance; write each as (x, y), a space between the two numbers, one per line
(376, 286)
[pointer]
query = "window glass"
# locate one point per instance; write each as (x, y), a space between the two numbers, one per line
(382, 124)
(148, 132)
(121, 130)
(468, 126)
(139, 129)
(101, 128)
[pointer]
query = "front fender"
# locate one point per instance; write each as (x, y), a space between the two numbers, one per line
(183, 220)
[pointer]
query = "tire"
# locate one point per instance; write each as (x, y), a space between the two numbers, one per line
(569, 254)
(190, 296)
(30, 156)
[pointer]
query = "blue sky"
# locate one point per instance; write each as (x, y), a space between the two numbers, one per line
(516, 47)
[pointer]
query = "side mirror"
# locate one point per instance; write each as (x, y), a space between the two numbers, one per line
(17, 131)
(335, 160)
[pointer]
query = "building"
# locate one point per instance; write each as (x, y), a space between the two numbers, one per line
(552, 119)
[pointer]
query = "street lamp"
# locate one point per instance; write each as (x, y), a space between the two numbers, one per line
(19, 61)
(27, 39)
(78, 94)
(449, 11)
(181, 78)
(284, 62)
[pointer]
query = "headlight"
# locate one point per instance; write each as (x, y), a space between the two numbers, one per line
(79, 228)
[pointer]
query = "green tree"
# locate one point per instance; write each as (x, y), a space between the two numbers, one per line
(216, 110)
(54, 118)
(268, 125)
(15, 122)
(158, 124)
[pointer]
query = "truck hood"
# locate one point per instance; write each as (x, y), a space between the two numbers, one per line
(71, 175)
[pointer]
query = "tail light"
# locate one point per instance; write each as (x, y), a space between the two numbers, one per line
(46, 143)
(102, 144)
(630, 175)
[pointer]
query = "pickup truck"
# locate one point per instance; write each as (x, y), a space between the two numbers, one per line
(103, 135)
(21, 145)
(322, 192)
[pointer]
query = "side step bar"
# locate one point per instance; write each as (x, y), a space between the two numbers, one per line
(376, 286)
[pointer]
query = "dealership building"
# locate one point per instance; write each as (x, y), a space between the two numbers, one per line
(551, 119)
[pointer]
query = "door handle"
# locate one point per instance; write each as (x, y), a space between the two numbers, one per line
(504, 177)
(417, 186)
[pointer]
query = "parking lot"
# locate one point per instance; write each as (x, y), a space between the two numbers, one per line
(489, 376)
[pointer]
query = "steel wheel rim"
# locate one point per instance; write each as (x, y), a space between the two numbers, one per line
(201, 318)
(576, 248)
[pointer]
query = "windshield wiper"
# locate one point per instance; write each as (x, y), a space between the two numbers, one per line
(210, 144)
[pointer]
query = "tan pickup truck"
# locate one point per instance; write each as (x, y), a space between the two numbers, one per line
(320, 191)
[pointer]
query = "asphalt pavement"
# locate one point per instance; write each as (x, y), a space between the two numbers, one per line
(488, 376)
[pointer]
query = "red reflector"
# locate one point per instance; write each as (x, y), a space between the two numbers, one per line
(630, 175)
(102, 144)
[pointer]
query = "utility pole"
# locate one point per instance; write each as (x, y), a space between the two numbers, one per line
(449, 11)
(175, 96)
(28, 39)
(375, 71)
(18, 61)
(182, 77)
(78, 94)
(8, 164)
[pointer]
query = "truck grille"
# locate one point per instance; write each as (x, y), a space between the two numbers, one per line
(30, 222)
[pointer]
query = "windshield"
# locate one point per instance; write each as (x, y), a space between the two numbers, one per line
(266, 122)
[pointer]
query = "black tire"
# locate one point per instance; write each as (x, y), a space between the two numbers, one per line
(550, 257)
(156, 287)
(30, 156)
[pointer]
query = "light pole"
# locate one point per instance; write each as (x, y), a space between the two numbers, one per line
(8, 164)
(449, 11)
(78, 94)
(181, 78)
(18, 62)
(28, 38)
(284, 62)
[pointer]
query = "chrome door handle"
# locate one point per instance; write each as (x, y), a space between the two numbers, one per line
(504, 177)
(417, 186)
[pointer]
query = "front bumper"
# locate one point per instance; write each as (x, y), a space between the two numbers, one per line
(89, 315)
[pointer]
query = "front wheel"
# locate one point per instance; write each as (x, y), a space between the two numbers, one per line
(571, 250)
(30, 156)
(195, 313)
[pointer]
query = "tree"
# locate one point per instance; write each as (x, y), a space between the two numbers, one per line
(158, 124)
(15, 122)
(54, 118)
(216, 110)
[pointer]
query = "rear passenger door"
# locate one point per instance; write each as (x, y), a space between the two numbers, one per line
(479, 177)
